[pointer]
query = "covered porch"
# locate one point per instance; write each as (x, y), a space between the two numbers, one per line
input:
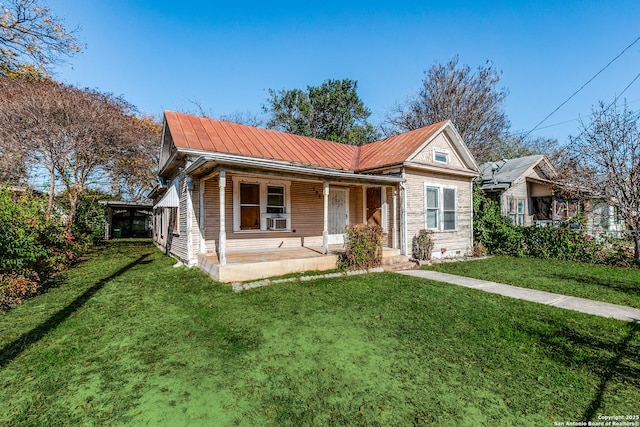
(251, 223)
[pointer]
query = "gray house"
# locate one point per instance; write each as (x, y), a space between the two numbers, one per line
(528, 191)
(524, 188)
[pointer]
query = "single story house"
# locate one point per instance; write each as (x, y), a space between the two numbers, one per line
(243, 202)
(529, 193)
(526, 190)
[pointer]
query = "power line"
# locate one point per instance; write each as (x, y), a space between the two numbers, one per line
(582, 87)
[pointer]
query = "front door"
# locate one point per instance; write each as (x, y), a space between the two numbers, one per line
(338, 214)
(374, 206)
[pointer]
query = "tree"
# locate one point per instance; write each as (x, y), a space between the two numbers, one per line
(332, 111)
(32, 38)
(82, 137)
(472, 101)
(512, 146)
(606, 154)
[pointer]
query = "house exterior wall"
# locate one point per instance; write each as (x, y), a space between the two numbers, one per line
(178, 246)
(440, 142)
(517, 191)
(306, 210)
(453, 243)
(602, 220)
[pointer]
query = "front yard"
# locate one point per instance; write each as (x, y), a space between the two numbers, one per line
(598, 282)
(127, 338)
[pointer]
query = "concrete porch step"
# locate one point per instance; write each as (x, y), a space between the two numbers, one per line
(408, 265)
(394, 259)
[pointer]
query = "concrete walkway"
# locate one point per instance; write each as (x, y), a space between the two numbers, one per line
(597, 308)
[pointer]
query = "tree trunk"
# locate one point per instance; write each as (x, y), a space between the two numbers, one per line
(52, 189)
(636, 246)
(73, 207)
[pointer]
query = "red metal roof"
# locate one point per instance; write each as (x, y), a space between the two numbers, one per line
(395, 149)
(201, 133)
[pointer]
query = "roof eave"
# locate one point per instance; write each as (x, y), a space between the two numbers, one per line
(276, 165)
(448, 171)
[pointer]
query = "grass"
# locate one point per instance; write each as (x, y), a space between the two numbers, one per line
(128, 339)
(597, 282)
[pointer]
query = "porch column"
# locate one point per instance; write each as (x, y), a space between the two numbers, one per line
(325, 222)
(222, 239)
(394, 218)
(201, 215)
(403, 215)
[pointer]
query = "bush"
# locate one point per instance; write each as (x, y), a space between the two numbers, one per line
(21, 225)
(32, 248)
(423, 245)
(500, 237)
(492, 230)
(363, 244)
(14, 288)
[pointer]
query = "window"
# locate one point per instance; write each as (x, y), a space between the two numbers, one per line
(175, 217)
(441, 156)
(260, 204)
(249, 206)
(449, 209)
(275, 199)
(432, 207)
(440, 208)
(516, 211)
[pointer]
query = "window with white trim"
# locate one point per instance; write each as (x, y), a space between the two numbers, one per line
(260, 204)
(249, 206)
(441, 155)
(516, 211)
(440, 208)
(275, 199)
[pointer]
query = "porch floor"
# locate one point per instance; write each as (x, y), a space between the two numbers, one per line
(258, 264)
(262, 255)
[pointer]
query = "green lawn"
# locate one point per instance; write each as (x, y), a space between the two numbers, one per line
(127, 339)
(598, 282)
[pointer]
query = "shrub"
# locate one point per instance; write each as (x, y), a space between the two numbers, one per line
(14, 288)
(21, 225)
(32, 248)
(423, 245)
(492, 230)
(363, 247)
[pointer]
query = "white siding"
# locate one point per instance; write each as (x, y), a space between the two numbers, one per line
(447, 243)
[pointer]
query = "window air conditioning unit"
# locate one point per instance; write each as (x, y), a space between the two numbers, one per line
(277, 223)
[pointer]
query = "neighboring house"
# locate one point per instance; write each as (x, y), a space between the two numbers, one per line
(524, 188)
(233, 194)
(604, 220)
(528, 191)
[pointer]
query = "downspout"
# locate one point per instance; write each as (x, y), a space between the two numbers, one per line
(473, 180)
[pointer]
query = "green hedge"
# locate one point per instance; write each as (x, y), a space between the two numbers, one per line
(500, 237)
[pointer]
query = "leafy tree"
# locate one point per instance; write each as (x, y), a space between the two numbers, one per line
(32, 38)
(472, 101)
(606, 159)
(332, 111)
(81, 136)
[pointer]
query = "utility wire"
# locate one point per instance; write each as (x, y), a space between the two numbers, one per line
(582, 87)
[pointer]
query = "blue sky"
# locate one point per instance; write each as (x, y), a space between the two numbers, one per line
(161, 54)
